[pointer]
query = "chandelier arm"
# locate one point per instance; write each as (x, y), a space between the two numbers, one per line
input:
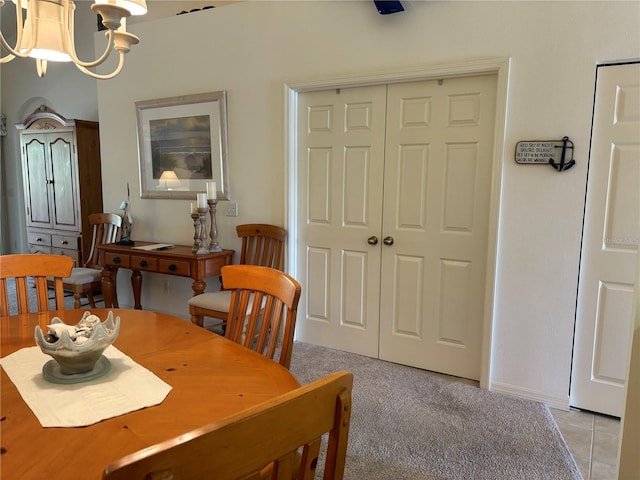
(13, 52)
(106, 76)
(69, 40)
(72, 52)
(7, 58)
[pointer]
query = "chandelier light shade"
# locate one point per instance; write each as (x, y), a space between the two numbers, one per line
(46, 33)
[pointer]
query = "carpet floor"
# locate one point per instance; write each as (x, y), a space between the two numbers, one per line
(410, 424)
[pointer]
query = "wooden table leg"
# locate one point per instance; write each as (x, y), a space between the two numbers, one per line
(109, 292)
(198, 287)
(136, 283)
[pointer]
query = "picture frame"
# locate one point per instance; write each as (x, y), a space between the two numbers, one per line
(183, 144)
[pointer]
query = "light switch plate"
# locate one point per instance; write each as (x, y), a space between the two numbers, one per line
(232, 209)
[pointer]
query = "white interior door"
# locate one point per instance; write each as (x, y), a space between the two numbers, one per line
(340, 172)
(438, 166)
(611, 234)
(419, 274)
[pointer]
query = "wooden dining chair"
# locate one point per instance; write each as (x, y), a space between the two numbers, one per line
(262, 245)
(86, 280)
(262, 298)
(260, 442)
(22, 267)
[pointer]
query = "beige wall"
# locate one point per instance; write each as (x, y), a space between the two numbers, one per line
(251, 49)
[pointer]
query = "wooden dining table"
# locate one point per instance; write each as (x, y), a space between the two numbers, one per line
(211, 378)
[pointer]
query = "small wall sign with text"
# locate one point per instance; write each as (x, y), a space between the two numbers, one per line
(557, 153)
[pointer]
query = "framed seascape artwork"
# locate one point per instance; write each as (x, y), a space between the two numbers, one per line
(183, 145)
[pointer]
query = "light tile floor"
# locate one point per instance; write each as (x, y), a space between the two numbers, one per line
(593, 441)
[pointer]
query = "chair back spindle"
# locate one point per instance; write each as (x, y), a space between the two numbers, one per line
(262, 299)
(106, 229)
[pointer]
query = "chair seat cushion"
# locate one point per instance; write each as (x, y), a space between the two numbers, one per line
(81, 275)
(218, 301)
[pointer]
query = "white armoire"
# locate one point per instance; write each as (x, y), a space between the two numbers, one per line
(62, 182)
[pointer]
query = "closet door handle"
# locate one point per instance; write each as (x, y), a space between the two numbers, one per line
(388, 241)
(372, 240)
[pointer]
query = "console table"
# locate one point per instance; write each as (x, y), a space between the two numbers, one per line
(178, 260)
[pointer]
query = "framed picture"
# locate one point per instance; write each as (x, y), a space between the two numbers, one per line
(183, 145)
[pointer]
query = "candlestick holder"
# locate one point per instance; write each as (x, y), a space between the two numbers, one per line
(202, 248)
(213, 233)
(196, 234)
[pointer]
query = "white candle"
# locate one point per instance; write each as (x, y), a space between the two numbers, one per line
(211, 190)
(194, 208)
(202, 200)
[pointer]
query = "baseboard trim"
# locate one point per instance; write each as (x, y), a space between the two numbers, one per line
(561, 403)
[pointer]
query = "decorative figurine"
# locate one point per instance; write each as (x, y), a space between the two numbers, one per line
(127, 222)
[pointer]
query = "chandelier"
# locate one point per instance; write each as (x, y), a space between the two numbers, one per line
(47, 33)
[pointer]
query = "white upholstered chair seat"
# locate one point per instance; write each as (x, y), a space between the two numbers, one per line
(218, 301)
(80, 275)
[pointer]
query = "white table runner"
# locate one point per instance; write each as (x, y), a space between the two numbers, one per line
(125, 388)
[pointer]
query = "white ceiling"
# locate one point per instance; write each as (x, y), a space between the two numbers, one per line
(156, 9)
(166, 8)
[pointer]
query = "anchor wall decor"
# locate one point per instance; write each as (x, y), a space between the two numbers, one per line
(557, 153)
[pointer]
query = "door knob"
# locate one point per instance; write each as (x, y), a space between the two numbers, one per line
(388, 241)
(372, 240)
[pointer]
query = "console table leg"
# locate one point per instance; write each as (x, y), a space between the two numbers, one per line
(109, 275)
(198, 287)
(136, 283)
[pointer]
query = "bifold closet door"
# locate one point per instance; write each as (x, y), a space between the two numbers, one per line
(393, 199)
(340, 171)
(437, 185)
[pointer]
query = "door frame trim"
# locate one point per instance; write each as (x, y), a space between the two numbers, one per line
(495, 65)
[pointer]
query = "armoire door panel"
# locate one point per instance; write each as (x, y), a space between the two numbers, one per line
(37, 174)
(63, 188)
